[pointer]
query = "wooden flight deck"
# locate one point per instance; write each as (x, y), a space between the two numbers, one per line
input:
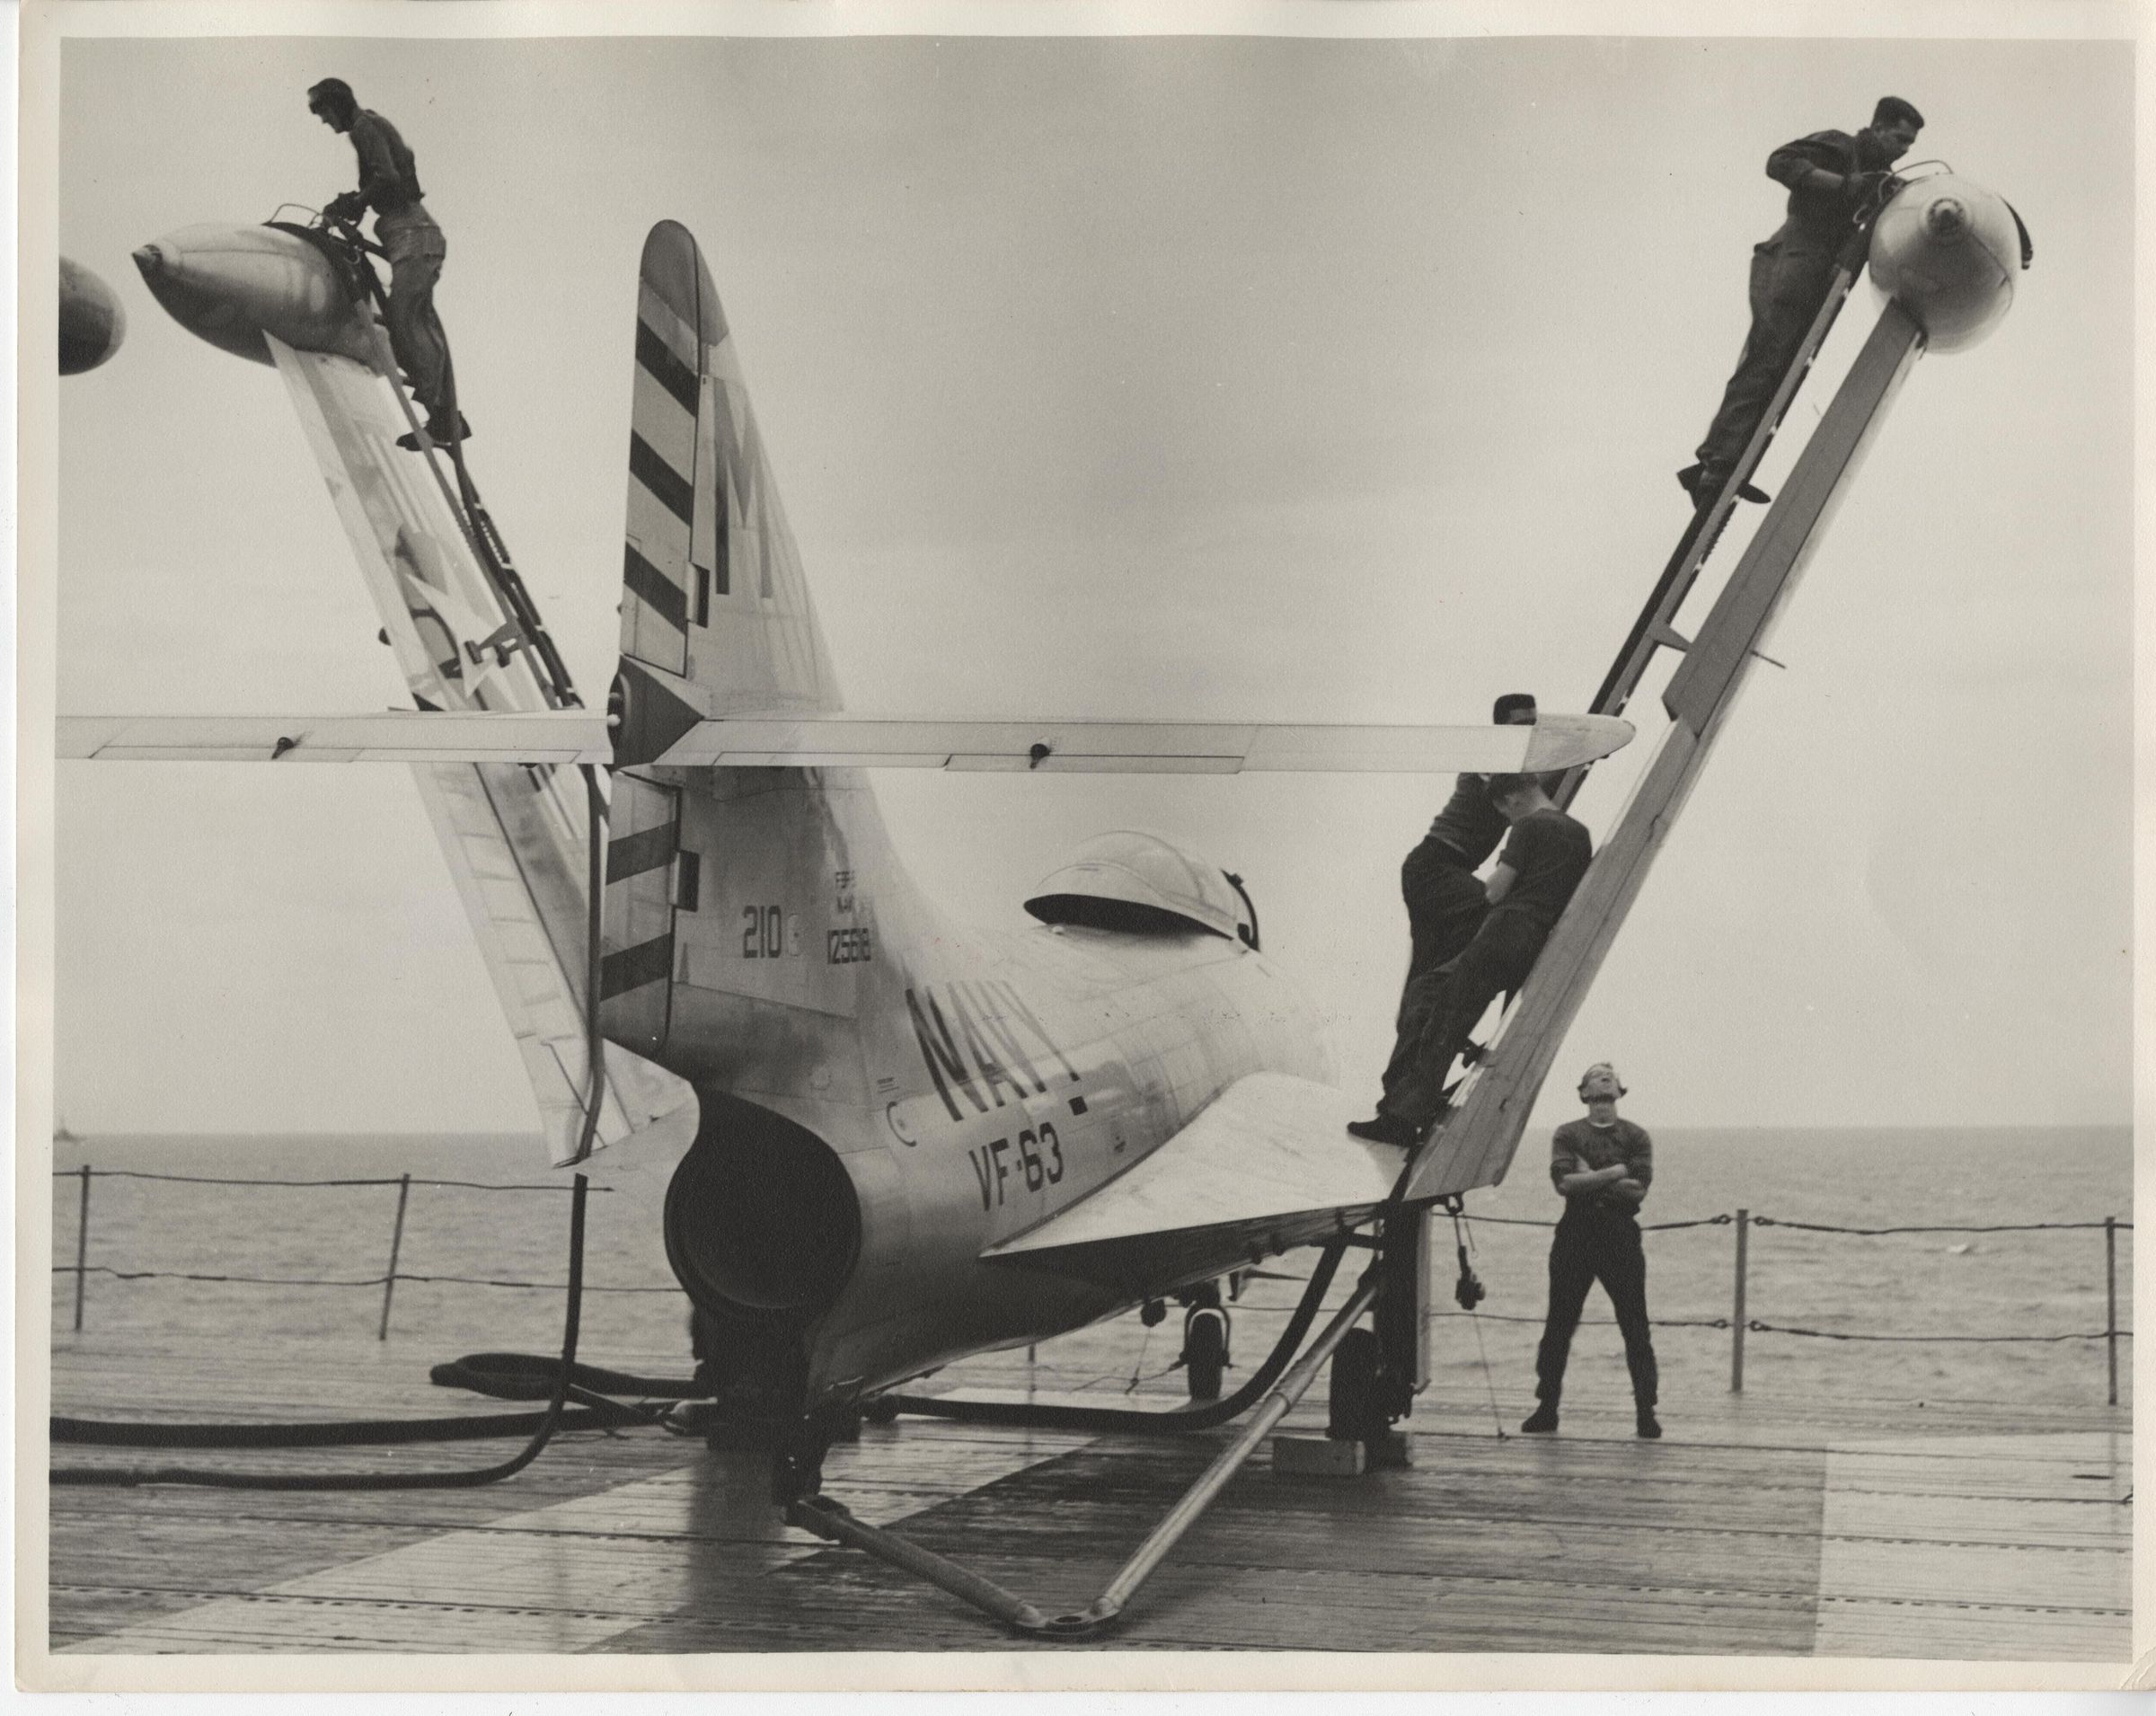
(1758, 1526)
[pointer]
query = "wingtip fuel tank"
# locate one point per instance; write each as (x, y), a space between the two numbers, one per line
(233, 285)
(92, 322)
(1948, 252)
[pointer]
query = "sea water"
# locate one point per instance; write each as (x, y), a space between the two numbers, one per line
(497, 1257)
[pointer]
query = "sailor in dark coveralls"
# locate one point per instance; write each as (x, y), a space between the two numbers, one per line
(1545, 855)
(1832, 177)
(1445, 900)
(389, 183)
(1601, 1167)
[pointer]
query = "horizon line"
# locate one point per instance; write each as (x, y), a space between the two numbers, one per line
(1670, 1126)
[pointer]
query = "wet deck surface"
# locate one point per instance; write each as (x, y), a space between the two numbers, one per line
(1758, 1526)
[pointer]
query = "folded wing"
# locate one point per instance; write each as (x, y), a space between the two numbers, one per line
(513, 831)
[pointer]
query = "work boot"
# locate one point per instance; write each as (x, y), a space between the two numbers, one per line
(1542, 1421)
(440, 433)
(1704, 484)
(1387, 1128)
(1650, 1429)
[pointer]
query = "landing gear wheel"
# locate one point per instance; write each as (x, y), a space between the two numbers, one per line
(1205, 1351)
(1356, 1413)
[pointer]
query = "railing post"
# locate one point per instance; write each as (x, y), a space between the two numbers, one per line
(2111, 1302)
(82, 1247)
(1737, 1314)
(396, 1244)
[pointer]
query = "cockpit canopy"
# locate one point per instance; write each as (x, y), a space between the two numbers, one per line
(1144, 885)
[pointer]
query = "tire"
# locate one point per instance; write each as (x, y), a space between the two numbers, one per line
(1205, 1353)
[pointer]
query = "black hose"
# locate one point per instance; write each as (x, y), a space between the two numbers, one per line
(321, 1434)
(527, 1376)
(595, 891)
(342, 1433)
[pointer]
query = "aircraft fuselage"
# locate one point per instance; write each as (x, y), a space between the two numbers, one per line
(966, 1084)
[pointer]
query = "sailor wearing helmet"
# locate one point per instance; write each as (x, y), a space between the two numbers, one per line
(1601, 1167)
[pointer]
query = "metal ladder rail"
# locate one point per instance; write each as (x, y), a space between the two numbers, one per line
(1653, 630)
(481, 532)
(509, 582)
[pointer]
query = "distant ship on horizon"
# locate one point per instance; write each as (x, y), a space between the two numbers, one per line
(62, 1134)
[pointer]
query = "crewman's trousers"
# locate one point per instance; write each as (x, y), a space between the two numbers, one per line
(1450, 1000)
(1788, 287)
(1596, 1243)
(1446, 907)
(417, 251)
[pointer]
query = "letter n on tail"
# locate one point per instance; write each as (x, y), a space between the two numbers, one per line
(940, 1054)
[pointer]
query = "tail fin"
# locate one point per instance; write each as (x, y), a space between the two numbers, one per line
(716, 621)
(716, 617)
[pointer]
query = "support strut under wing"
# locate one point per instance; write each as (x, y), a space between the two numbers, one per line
(1476, 1143)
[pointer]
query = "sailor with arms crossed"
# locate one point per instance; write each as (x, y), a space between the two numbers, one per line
(1601, 1167)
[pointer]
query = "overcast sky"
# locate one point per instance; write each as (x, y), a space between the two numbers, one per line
(1291, 379)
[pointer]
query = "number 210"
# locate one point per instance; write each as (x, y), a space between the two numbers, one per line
(762, 938)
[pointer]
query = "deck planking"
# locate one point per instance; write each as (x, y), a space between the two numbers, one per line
(1758, 1526)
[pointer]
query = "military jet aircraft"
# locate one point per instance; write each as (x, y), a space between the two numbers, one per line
(914, 1140)
(898, 1115)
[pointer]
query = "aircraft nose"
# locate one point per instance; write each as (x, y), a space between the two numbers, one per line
(150, 261)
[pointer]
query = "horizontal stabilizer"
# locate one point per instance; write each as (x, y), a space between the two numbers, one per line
(398, 735)
(1270, 1164)
(1556, 742)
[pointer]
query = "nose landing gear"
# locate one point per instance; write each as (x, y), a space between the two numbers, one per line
(1205, 1355)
